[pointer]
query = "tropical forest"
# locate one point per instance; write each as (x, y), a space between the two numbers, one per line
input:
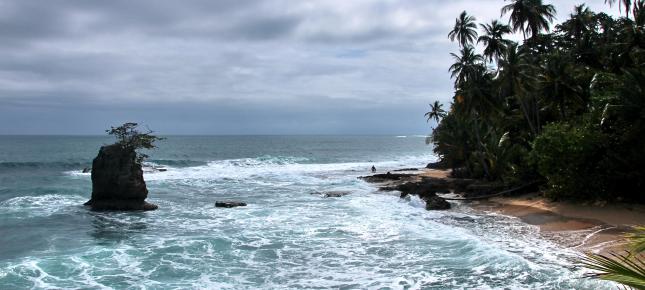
(563, 107)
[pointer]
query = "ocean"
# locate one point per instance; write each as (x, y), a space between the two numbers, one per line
(288, 237)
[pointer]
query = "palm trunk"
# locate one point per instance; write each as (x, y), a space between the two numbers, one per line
(537, 116)
(526, 114)
(481, 145)
(524, 106)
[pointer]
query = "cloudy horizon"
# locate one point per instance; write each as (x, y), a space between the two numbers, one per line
(230, 67)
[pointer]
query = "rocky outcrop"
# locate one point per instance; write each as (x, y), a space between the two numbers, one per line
(229, 204)
(386, 177)
(424, 187)
(335, 193)
(330, 193)
(438, 165)
(425, 191)
(436, 202)
(117, 181)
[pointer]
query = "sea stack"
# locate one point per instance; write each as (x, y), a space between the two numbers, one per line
(117, 181)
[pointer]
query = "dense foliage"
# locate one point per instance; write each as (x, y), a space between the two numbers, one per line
(130, 138)
(565, 106)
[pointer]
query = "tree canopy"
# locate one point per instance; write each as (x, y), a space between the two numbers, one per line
(565, 106)
(129, 137)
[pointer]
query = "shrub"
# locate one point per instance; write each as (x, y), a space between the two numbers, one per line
(569, 157)
(130, 138)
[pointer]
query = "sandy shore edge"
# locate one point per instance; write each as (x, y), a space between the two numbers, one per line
(598, 228)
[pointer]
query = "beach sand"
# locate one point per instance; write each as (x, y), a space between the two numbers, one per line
(598, 228)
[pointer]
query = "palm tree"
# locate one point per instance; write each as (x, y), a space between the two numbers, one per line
(478, 104)
(626, 3)
(465, 30)
(436, 112)
(493, 39)
(580, 21)
(529, 16)
(464, 65)
(558, 84)
(516, 81)
(639, 13)
(452, 140)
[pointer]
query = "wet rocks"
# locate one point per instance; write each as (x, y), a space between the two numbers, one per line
(117, 181)
(406, 169)
(229, 204)
(410, 188)
(436, 203)
(438, 165)
(386, 177)
(424, 187)
(335, 193)
(331, 193)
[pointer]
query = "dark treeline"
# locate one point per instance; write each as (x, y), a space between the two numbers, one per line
(565, 106)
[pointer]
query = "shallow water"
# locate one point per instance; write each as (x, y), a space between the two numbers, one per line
(286, 237)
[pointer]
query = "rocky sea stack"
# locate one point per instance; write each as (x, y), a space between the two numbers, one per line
(117, 174)
(117, 181)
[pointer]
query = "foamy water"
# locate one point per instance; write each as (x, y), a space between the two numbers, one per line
(286, 238)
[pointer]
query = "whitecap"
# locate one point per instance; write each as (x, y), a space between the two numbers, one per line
(42, 205)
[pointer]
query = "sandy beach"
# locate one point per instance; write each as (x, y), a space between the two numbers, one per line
(595, 227)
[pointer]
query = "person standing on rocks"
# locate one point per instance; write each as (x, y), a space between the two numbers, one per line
(373, 169)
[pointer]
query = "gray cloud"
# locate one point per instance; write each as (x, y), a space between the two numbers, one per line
(228, 66)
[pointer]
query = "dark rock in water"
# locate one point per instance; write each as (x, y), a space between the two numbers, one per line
(438, 165)
(436, 203)
(427, 190)
(464, 219)
(406, 169)
(386, 177)
(229, 204)
(335, 193)
(86, 170)
(430, 185)
(413, 188)
(117, 181)
(331, 193)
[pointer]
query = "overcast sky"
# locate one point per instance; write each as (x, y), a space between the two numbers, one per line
(230, 66)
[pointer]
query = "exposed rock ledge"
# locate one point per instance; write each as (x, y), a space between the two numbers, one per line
(413, 184)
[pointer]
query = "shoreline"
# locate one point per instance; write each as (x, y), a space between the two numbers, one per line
(585, 228)
(598, 228)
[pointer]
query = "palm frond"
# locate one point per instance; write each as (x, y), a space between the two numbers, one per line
(637, 240)
(617, 268)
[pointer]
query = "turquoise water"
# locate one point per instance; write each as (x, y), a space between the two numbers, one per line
(286, 238)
